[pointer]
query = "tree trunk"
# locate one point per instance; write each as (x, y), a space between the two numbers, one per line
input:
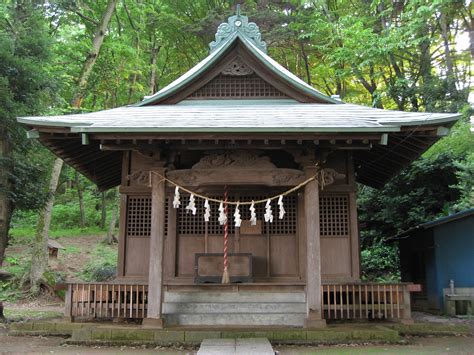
(103, 210)
(306, 63)
(154, 56)
(39, 254)
(5, 187)
(110, 239)
(450, 75)
(97, 41)
(80, 195)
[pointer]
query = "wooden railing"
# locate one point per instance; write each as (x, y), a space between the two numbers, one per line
(106, 300)
(340, 301)
(347, 301)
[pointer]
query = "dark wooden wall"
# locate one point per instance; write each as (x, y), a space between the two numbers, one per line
(279, 249)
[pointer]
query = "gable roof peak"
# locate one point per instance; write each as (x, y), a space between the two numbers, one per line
(240, 25)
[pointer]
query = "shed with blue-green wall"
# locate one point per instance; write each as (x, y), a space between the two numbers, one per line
(436, 252)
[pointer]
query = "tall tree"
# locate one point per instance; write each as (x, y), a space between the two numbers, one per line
(39, 253)
(39, 260)
(88, 65)
(26, 88)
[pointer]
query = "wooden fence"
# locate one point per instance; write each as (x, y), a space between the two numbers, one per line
(365, 301)
(106, 300)
(340, 301)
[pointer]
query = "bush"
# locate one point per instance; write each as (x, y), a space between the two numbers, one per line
(102, 266)
(380, 262)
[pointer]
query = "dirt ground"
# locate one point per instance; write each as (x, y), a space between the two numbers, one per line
(52, 345)
(71, 260)
(413, 345)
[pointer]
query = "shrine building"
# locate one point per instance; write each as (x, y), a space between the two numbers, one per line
(239, 124)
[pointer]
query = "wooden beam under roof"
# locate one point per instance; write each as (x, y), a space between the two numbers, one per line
(235, 136)
(223, 145)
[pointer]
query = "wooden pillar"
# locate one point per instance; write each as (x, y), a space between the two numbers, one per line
(313, 253)
(157, 237)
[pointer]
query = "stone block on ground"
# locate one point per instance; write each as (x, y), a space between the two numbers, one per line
(247, 346)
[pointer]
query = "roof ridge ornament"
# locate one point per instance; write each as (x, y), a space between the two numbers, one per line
(238, 24)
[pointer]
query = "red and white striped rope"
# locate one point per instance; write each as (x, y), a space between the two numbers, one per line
(226, 229)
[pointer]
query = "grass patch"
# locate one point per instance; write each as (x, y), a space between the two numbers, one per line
(24, 235)
(102, 265)
(72, 250)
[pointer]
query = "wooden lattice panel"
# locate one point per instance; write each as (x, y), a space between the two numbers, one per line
(189, 224)
(334, 215)
(287, 225)
(234, 87)
(139, 216)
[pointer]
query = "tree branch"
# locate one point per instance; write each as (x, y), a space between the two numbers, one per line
(84, 17)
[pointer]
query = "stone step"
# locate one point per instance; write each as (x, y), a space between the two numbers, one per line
(260, 346)
(239, 307)
(241, 319)
(235, 297)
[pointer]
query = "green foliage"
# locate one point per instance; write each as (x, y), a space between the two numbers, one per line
(380, 263)
(419, 193)
(103, 265)
(465, 175)
(27, 87)
(24, 235)
(11, 290)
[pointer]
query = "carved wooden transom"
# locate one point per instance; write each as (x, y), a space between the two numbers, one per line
(237, 68)
(238, 159)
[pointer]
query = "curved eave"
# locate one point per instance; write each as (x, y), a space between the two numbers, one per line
(208, 62)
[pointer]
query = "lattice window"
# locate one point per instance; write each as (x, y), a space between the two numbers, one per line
(187, 224)
(287, 225)
(139, 216)
(233, 87)
(334, 215)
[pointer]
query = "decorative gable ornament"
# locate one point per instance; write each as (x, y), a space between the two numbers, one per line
(238, 24)
(237, 68)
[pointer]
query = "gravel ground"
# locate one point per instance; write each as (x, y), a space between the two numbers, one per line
(415, 345)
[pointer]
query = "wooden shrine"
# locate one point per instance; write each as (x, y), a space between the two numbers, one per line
(239, 119)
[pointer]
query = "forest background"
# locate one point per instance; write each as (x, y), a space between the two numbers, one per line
(67, 56)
